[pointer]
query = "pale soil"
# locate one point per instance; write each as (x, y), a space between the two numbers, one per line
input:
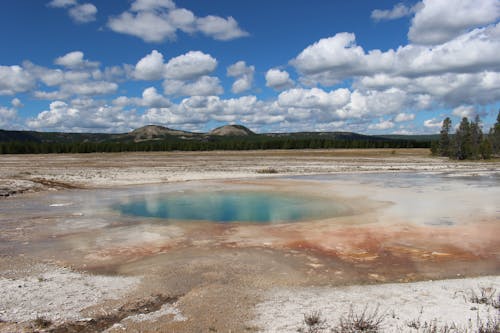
(90, 271)
(404, 307)
(118, 169)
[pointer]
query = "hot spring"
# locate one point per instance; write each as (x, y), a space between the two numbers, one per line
(232, 206)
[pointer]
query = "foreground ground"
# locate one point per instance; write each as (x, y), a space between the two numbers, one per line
(83, 269)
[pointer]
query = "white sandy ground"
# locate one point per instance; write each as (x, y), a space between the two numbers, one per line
(58, 294)
(443, 302)
(166, 310)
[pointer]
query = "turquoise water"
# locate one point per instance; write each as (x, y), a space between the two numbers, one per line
(230, 206)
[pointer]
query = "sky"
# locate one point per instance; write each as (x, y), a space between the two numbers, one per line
(370, 67)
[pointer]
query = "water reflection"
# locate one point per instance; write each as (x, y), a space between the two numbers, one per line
(231, 206)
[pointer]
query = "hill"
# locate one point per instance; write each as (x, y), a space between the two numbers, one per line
(231, 130)
(154, 132)
(229, 137)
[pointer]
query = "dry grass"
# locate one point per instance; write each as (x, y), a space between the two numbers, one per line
(267, 171)
(369, 321)
(486, 296)
(41, 322)
(314, 323)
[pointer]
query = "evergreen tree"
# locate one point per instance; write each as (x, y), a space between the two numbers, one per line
(462, 141)
(476, 138)
(485, 149)
(495, 135)
(444, 138)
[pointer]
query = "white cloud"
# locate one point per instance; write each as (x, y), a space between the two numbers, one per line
(398, 11)
(14, 79)
(83, 114)
(433, 123)
(7, 116)
(83, 13)
(89, 88)
(220, 28)
(145, 5)
(50, 95)
(151, 67)
(158, 20)
(333, 59)
(58, 114)
(79, 13)
(439, 21)
(401, 117)
(16, 102)
(62, 3)
(149, 26)
(183, 19)
(278, 79)
(190, 66)
(151, 98)
(203, 86)
(462, 111)
(243, 74)
(314, 98)
(382, 125)
(75, 59)
(464, 70)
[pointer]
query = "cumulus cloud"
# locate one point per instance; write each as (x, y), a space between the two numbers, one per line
(433, 123)
(158, 20)
(146, 25)
(382, 125)
(314, 98)
(89, 88)
(83, 114)
(50, 95)
(462, 111)
(401, 117)
(149, 5)
(14, 79)
(203, 86)
(151, 67)
(278, 79)
(464, 70)
(398, 11)
(336, 58)
(75, 59)
(190, 66)
(150, 98)
(243, 74)
(62, 3)
(185, 74)
(16, 102)
(7, 116)
(83, 13)
(220, 28)
(193, 111)
(56, 116)
(79, 13)
(438, 21)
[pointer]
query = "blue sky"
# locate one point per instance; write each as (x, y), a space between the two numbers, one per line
(276, 65)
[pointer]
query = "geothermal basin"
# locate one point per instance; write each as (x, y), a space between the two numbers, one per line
(228, 242)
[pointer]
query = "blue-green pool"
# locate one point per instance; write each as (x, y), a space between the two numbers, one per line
(232, 206)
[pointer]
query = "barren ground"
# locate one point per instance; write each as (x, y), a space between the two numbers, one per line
(83, 269)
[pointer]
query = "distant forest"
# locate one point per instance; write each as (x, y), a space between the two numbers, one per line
(468, 142)
(255, 142)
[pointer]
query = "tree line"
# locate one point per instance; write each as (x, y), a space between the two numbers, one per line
(233, 143)
(468, 142)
